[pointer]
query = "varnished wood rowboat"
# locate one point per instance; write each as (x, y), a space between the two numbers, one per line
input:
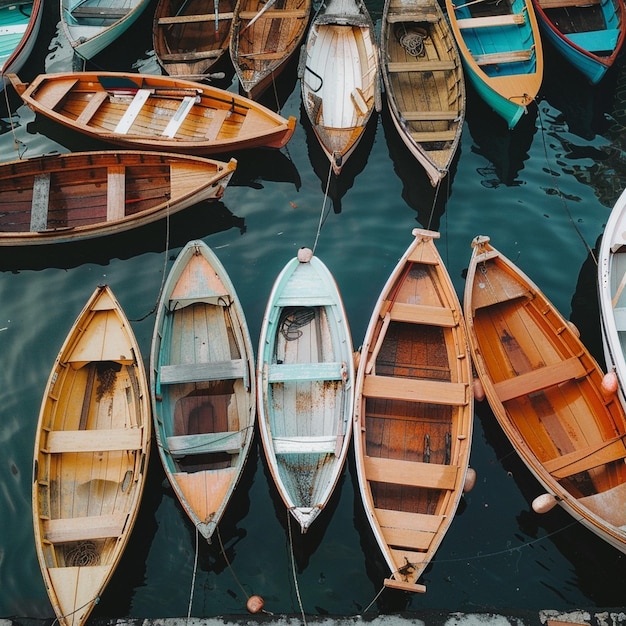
(611, 292)
(203, 386)
(501, 49)
(60, 198)
(20, 22)
(305, 384)
(545, 390)
(153, 112)
(92, 25)
(91, 455)
(424, 85)
(413, 413)
(339, 72)
(588, 33)
(265, 35)
(191, 37)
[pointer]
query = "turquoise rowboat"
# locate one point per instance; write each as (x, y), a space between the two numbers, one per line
(565, 23)
(19, 27)
(305, 386)
(501, 49)
(92, 25)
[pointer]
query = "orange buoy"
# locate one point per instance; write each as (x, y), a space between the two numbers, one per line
(544, 503)
(255, 604)
(470, 480)
(609, 383)
(479, 392)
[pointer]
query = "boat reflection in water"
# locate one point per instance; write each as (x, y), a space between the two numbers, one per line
(338, 185)
(264, 164)
(506, 150)
(427, 201)
(198, 221)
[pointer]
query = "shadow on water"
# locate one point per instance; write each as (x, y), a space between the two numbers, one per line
(338, 186)
(506, 150)
(428, 202)
(198, 221)
(264, 164)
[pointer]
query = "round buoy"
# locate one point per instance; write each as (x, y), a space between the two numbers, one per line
(255, 604)
(305, 255)
(609, 383)
(544, 503)
(574, 328)
(470, 480)
(479, 392)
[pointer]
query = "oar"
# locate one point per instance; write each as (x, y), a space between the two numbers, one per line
(258, 15)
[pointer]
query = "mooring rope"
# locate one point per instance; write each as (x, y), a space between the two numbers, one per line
(193, 577)
(559, 192)
(322, 218)
(293, 568)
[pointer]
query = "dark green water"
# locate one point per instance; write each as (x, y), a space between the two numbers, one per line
(542, 192)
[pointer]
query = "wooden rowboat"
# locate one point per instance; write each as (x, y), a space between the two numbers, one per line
(265, 35)
(588, 33)
(153, 112)
(60, 198)
(191, 37)
(91, 455)
(612, 296)
(424, 85)
(305, 379)
(202, 385)
(339, 72)
(413, 413)
(545, 390)
(20, 22)
(501, 49)
(92, 25)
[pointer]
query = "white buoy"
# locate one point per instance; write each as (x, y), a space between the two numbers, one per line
(479, 392)
(255, 604)
(305, 255)
(574, 328)
(470, 480)
(609, 383)
(544, 503)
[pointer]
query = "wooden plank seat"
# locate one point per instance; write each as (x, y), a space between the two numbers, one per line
(84, 528)
(620, 318)
(82, 12)
(189, 19)
(274, 13)
(563, 4)
(422, 314)
(509, 19)
(495, 58)
(539, 379)
(92, 107)
(201, 372)
(116, 193)
(420, 66)
(140, 98)
(39, 203)
(409, 473)
(413, 531)
(430, 116)
(596, 41)
(302, 300)
(423, 16)
(587, 458)
(191, 56)
(415, 390)
(179, 116)
(204, 443)
(302, 372)
(215, 124)
(435, 135)
(100, 440)
(307, 444)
